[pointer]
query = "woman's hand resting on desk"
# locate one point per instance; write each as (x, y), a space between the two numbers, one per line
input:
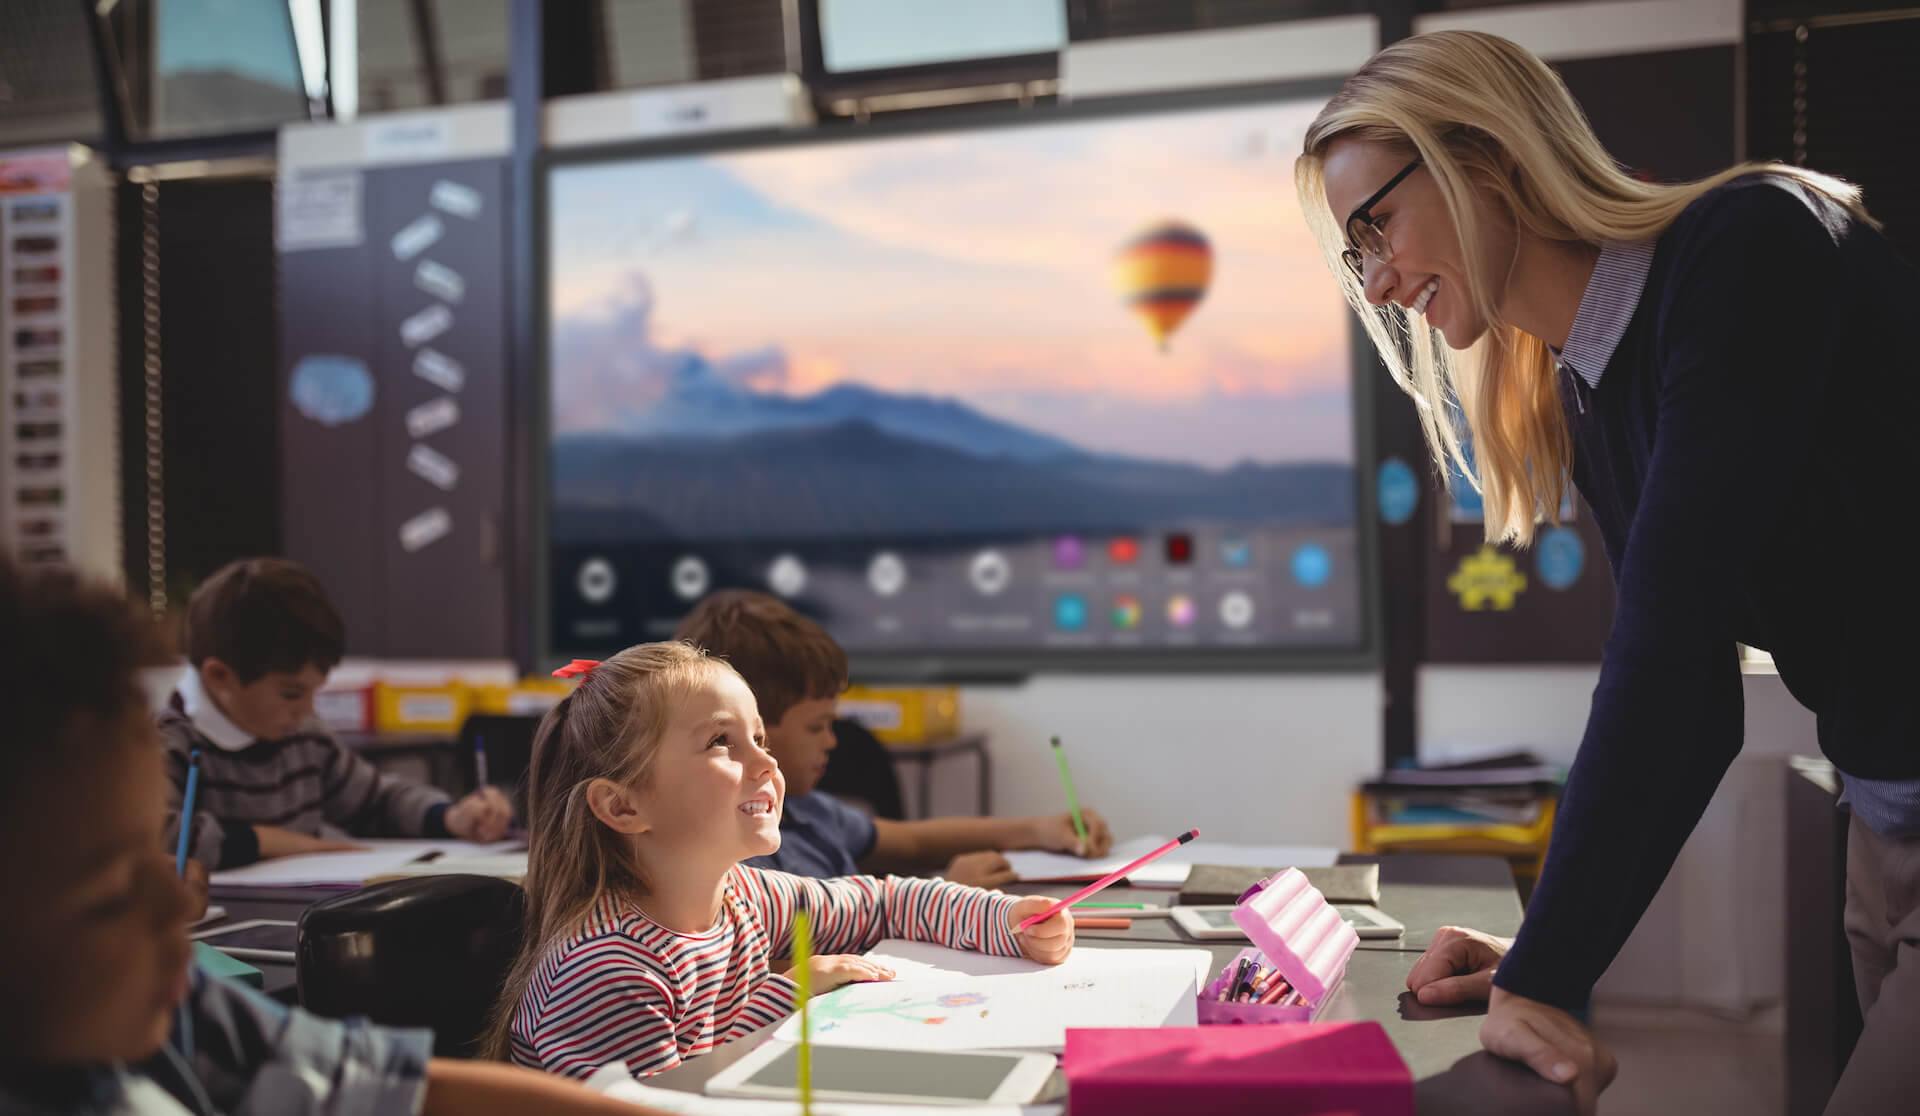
(481, 817)
(1057, 834)
(1049, 941)
(1458, 968)
(275, 841)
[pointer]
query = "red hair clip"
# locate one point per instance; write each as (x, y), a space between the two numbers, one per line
(576, 668)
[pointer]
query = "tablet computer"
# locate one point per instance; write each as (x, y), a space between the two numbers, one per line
(257, 939)
(860, 1073)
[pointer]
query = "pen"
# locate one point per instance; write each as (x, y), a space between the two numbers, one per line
(802, 954)
(1104, 881)
(186, 813)
(479, 761)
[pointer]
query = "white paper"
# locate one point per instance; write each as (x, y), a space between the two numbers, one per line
(320, 211)
(616, 1082)
(506, 865)
(380, 857)
(1170, 871)
(948, 999)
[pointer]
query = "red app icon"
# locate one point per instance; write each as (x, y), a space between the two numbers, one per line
(1123, 552)
(1179, 549)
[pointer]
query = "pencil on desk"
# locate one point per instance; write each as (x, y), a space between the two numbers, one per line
(1103, 924)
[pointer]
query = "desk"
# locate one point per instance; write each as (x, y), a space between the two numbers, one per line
(1441, 1045)
(925, 754)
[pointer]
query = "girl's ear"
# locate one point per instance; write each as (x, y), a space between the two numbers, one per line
(617, 807)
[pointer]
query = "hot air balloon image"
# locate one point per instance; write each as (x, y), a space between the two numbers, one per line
(1162, 272)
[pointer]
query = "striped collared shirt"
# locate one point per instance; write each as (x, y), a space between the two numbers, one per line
(1612, 294)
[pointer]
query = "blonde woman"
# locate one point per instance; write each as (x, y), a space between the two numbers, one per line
(1722, 369)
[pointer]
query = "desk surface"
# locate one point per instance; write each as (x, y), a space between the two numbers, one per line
(1441, 1046)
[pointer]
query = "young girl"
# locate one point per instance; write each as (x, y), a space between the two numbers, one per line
(95, 933)
(647, 941)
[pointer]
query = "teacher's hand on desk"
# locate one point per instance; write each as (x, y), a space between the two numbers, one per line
(1458, 968)
(1552, 1043)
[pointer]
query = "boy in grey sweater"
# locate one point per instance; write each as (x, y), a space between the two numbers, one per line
(261, 637)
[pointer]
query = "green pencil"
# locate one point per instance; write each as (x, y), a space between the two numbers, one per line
(1073, 800)
(802, 953)
(1112, 906)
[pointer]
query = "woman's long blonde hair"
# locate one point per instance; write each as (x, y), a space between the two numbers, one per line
(609, 727)
(1489, 119)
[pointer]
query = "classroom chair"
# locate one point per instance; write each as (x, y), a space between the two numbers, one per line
(432, 951)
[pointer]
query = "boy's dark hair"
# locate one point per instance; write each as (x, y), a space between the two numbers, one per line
(71, 649)
(785, 657)
(262, 615)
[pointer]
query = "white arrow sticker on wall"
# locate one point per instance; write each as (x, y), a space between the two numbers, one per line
(439, 369)
(418, 236)
(432, 466)
(428, 527)
(426, 325)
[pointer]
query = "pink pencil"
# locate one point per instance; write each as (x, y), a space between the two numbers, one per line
(1107, 880)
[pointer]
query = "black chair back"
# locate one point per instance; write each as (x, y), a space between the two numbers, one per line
(431, 951)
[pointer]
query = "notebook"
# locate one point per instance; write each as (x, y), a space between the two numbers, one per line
(1223, 884)
(1290, 1069)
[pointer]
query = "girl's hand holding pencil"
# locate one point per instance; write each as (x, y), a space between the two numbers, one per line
(1048, 941)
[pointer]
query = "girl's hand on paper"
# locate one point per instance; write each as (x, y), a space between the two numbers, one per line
(832, 970)
(981, 869)
(481, 817)
(275, 841)
(1458, 967)
(1552, 1043)
(1048, 942)
(1056, 834)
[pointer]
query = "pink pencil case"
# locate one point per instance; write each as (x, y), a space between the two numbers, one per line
(1301, 934)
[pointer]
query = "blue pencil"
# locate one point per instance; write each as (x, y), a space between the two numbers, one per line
(186, 813)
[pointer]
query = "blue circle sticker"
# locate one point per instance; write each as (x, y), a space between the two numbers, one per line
(1399, 492)
(1560, 556)
(331, 390)
(1312, 566)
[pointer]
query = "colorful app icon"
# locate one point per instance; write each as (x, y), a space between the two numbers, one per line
(1180, 610)
(1312, 565)
(1126, 612)
(1069, 553)
(1123, 551)
(1069, 612)
(1237, 551)
(1179, 548)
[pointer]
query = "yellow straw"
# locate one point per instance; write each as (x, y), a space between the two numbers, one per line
(802, 951)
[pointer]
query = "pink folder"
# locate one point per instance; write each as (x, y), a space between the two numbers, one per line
(1287, 1069)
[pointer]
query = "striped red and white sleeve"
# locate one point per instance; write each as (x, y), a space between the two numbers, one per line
(596, 1004)
(851, 914)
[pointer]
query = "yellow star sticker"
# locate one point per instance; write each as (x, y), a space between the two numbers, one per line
(1486, 577)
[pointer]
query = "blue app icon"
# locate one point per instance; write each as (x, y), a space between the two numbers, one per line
(1312, 566)
(1070, 612)
(1237, 551)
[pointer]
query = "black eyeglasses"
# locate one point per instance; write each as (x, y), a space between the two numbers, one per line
(1365, 236)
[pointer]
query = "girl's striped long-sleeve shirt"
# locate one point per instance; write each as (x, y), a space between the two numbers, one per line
(626, 989)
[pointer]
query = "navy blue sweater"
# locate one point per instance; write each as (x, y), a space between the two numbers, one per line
(1746, 458)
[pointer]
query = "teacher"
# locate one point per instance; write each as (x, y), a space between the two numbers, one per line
(1722, 369)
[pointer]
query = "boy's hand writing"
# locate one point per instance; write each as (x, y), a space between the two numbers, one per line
(275, 841)
(1057, 834)
(1047, 942)
(981, 869)
(481, 816)
(832, 970)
